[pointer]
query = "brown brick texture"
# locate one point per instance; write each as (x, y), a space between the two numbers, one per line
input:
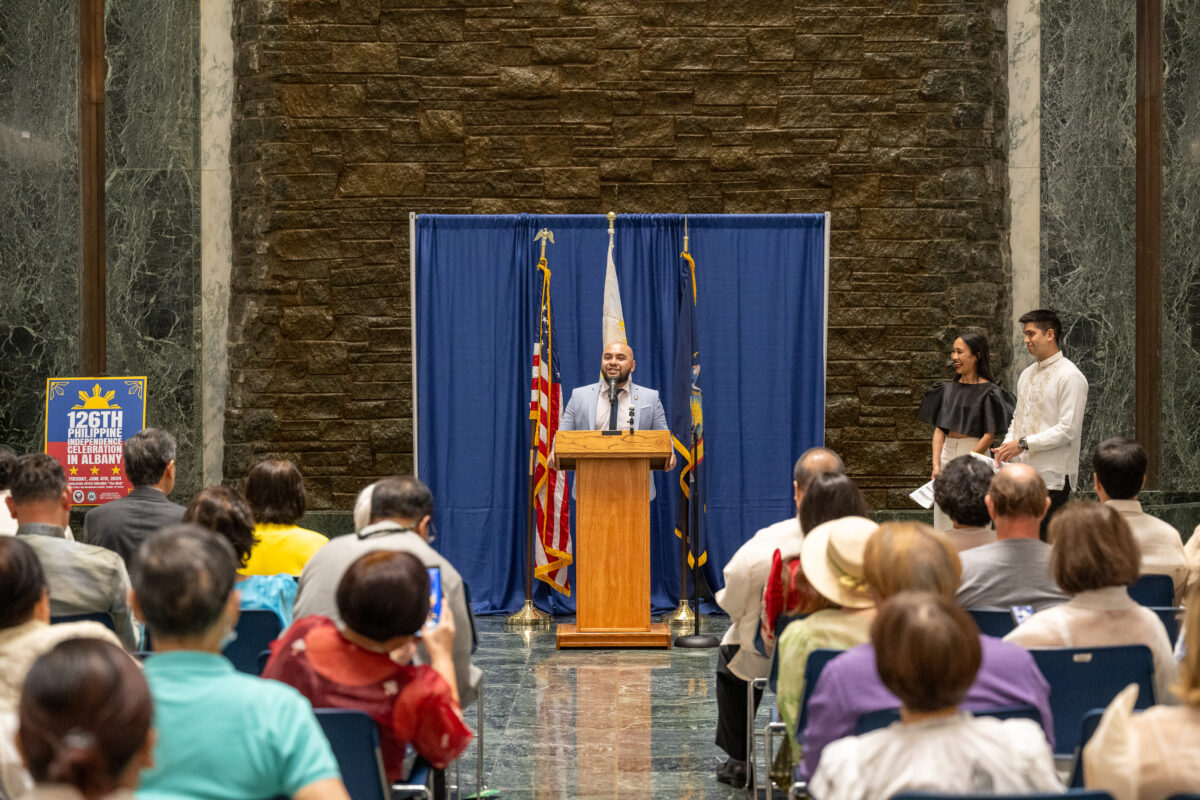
(890, 114)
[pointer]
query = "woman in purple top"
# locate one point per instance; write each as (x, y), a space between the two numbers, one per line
(900, 557)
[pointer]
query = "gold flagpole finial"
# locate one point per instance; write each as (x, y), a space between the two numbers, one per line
(685, 234)
(545, 234)
(612, 218)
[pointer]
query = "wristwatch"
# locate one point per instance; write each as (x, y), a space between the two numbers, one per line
(1021, 443)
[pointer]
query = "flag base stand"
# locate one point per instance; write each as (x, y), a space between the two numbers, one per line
(680, 616)
(696, 640)
(530, 616)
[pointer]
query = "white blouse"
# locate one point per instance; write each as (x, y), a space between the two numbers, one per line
(958, 754)
(1104, 618)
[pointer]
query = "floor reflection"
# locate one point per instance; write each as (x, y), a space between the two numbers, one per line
(595, 723)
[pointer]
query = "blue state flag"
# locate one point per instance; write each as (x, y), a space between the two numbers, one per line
(688, 417)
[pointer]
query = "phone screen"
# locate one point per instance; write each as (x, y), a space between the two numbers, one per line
(1021, 613)
(435, 594)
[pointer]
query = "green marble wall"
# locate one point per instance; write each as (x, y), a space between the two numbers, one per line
(152, 143)
(1088, 99)
(39, 211)
(152, 210)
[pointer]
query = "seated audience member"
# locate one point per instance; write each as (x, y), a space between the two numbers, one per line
(959, 490)
(1119, 473)
(927, 652)
(400, 514)
(82, 578)
(222, 734)
(1154, 754)
(832, 560)
(8, 523)
(25, 633)
(85, 722)
(1014, 570)
(787, 593)
(905, 557)
(738, 661)
(1094, 558)
(223, 510)
(122, 525)
(384, 601)
(275, 491)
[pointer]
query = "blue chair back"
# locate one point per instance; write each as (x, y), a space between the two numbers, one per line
(354, 738)
(256, 629)
(103, 617)
(991, 622)
(1090, 794)
(1153, 590)
(781, 622)
(1091, 721)
(817, 660)
(873, 720)
(1084, 678)
(1187, 796)
(1170, 616)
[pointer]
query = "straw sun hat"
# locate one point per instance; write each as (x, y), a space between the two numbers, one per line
(832, 560)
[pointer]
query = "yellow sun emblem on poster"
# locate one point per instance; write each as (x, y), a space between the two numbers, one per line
(95, 400)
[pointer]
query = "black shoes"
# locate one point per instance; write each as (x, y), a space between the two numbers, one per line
(732, 772)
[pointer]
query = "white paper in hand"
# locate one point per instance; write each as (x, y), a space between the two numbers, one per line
(924, 496)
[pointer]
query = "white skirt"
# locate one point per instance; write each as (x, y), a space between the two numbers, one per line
(952, 449)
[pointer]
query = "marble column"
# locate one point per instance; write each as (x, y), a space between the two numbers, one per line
(1087, 200)
(153, 212)
(40, 241)
(216, 232)
(1024, 167)
(1180, 245)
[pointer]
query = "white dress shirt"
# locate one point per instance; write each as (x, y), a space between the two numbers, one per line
(1160, 543)
(1051, 396)
(745, 576)
(604, 408)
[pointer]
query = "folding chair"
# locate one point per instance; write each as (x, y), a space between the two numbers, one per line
(992, 622)
(874, 720)
(774, 726)
(354, 738)
(1091, 720)
(479, 787)
(1090, 794)
(256, 629)
(817, 660)
(1153, 590)
(1084, 678)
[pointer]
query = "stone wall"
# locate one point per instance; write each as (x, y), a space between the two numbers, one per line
(888, 113)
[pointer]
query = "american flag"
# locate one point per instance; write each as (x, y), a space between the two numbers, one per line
(552, 555)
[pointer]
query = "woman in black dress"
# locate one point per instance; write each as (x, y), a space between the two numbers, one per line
(966, 412)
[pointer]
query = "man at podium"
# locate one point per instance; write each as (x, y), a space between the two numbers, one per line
(615, 402)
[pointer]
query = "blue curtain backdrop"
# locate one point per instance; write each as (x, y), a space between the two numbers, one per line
(760, 314)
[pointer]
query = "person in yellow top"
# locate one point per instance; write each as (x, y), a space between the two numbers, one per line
(275, 491)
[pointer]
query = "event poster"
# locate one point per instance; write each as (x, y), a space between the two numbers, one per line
(87, 422)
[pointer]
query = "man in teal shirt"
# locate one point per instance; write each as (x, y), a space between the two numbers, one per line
(222, 735)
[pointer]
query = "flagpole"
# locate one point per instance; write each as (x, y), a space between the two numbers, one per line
(695, 638)
(530, 616)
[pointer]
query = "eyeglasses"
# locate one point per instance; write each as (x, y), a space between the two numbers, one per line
(430, 531)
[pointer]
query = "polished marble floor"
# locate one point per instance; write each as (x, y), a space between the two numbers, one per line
(596, 723)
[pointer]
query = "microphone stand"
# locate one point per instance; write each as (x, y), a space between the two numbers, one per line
(694, 639)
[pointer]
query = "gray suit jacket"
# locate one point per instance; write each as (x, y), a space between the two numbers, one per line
(580, 413)
(122, 525)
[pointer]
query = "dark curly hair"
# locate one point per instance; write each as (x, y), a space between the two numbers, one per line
(959, 490)
(223, 510)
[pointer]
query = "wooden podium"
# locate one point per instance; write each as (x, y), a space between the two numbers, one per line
(612, 541)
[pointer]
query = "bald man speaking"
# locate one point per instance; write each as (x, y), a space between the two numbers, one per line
(591, 407)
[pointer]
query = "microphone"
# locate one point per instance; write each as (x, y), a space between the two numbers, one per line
(631, 417)
(612, 390)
